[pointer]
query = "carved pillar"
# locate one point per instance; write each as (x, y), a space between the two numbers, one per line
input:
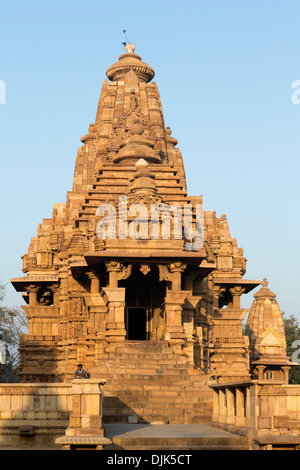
(115, 325)
(117, 272)
(113, 268)
(260, 371)
(189, 277)
(115, 299)
(174, 332)
(236, 293)
(55, 291)
(96, 326)
(188, 319)
(216, 405)
(240, 406)
(230, 405)
(85, 426)
(176, 269)
(286, 374)
(190, 305)
(174, 300)
(32, 290)
(217, 291)
(95, 282)
(222, 405)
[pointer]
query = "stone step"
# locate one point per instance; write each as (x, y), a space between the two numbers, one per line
(177, 447)
(173, 379)
(135, 352)
(148, 374)
(164, 388)
(150, 359)
(142, 362)
(147, 381)
(145, 345)
(118, 385)
(188, 402)
(151, 417)
(167, 437)
(155, 390)
(186, 419)
(114, 402)
(119, 410)
(151, 382)
(158, 393)
(128, 371)
(121, 445)
(146, 370)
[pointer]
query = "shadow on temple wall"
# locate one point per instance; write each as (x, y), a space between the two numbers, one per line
(115, 411)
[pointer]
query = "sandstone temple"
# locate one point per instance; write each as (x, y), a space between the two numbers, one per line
(155, 316)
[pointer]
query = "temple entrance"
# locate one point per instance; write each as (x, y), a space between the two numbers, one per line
(144, 297)
(136, 323)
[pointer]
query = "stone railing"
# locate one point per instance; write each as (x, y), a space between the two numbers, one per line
(34, 416)
(231, 406)
(267, 412)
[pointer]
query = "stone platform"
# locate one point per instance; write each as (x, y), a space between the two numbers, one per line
(172, 437)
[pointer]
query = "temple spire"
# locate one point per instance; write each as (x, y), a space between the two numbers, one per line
(265, 329)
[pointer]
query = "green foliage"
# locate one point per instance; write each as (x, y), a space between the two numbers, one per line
(13, 322)
(292, 334)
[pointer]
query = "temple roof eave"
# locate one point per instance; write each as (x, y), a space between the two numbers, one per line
(248, 284)
(94, 259)
(149, 254)
(145, 256)
(20, 283)
(280, 361)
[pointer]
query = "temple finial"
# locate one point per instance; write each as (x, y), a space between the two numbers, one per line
(130, 48)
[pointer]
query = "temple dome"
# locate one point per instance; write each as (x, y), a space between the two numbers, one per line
(264, 292)
(130, 61)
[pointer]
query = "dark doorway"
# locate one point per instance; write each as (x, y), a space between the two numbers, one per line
(144, 297)
(136, 324)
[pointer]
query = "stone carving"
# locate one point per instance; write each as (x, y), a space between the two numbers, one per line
(125, 272)
(145, 269)
(165, 273)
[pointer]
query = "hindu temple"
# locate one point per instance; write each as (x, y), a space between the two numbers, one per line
(133, 279)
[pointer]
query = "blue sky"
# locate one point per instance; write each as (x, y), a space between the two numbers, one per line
(224, 71)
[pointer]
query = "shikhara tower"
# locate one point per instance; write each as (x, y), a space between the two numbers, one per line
(88, 297)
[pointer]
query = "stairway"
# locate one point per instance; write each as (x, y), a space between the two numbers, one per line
(148, 383)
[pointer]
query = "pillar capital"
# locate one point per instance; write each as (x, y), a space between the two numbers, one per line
(117, 272)
(172, 273)
(177, 267)
(92, 274)
(32, 288)
(236, 292)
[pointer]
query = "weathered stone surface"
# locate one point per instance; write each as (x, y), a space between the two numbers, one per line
(91, 293)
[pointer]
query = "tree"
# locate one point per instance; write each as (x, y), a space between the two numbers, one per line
(13, 322)
(292, 335)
